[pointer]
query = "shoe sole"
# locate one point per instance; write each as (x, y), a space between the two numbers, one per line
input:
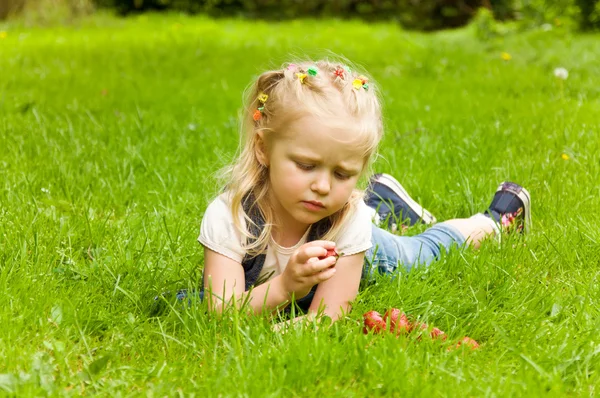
(522, 194)
(399, 190)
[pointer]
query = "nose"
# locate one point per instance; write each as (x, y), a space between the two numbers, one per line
(322, 183)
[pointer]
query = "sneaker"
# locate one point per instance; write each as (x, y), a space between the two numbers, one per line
(511, 208)
(392, 203)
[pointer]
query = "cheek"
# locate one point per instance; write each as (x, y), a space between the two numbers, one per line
(296, 181)
(345, 190)
(287, 178)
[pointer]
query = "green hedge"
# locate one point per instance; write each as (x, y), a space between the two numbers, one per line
(412, 14)
(589, 14)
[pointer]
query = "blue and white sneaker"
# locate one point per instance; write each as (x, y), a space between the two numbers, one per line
(511, 208)
(393, 204)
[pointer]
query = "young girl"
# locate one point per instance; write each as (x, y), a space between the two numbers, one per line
(311, 130)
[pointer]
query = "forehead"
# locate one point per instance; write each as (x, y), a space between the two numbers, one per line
(330, 142)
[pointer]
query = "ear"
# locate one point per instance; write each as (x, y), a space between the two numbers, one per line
(260, 149)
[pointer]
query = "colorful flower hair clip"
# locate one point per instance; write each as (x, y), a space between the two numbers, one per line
(262, 97)
(301, 76)
(339, 72)
(359, 82)
(291, 67)
(312, 71)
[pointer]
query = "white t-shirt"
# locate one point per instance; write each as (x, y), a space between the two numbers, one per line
(219, 234)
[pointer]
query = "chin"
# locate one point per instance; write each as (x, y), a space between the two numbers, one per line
(308, 218)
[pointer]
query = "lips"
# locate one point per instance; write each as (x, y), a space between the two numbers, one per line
(313, 205)
(315, 202)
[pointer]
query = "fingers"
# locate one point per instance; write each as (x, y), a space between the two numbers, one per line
(316, 248)
(305, 255)
(323, 276)
(327, 244)
(320, 265)
(306, 269)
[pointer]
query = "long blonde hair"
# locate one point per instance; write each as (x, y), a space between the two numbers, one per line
(336, 94)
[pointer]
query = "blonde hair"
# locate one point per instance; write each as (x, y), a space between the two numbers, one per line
(337, 95)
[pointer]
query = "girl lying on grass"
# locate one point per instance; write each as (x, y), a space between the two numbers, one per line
(311, 130)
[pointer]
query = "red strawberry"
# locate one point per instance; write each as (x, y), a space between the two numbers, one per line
(330, 252)
(399, 322)
(373, 322)
(437, 334)
(420, 326)
(468, 342)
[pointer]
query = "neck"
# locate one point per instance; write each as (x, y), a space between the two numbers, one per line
(288, 237)
(286, 231)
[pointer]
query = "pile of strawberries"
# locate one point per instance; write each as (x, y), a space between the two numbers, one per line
(399, 324)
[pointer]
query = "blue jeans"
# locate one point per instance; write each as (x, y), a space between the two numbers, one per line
(390, 251)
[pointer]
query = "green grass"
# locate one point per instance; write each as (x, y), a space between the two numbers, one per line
(111, 131)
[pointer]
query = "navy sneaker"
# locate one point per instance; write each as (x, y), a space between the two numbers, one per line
(393, 204)
(511, 208)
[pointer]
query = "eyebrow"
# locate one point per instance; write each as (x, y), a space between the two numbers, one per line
(318, 160)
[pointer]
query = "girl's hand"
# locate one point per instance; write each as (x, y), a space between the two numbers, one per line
(304, 269)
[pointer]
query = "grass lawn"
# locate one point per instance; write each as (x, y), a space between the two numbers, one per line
(111, 131)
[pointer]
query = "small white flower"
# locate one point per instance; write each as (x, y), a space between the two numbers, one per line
(191, 127)
(561, 73)
(45, 190)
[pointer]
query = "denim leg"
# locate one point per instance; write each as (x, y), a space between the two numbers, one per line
(389, 250)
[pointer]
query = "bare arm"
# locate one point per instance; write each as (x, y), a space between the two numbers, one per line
(337, 292)
(224, 279)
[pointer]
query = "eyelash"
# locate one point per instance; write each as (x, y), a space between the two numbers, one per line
(308, 167)
(303, 166)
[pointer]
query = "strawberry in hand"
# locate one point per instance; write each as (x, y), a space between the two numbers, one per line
(331, 252)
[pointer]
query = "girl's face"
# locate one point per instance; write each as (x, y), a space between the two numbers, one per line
(312, 172)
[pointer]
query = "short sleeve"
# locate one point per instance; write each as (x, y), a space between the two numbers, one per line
(218, 232)
(355, 236)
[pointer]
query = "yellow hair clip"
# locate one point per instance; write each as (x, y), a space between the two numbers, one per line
(361, 81)
(301, 76)
(262, 97)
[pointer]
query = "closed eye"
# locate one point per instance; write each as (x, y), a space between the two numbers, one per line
(342, 176)
(304, 166)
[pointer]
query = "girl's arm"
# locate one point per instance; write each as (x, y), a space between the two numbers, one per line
(337, 292)
(224, 277)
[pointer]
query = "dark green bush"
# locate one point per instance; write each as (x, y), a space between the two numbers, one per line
(412, 14)
(589, 17)
(416, 14)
